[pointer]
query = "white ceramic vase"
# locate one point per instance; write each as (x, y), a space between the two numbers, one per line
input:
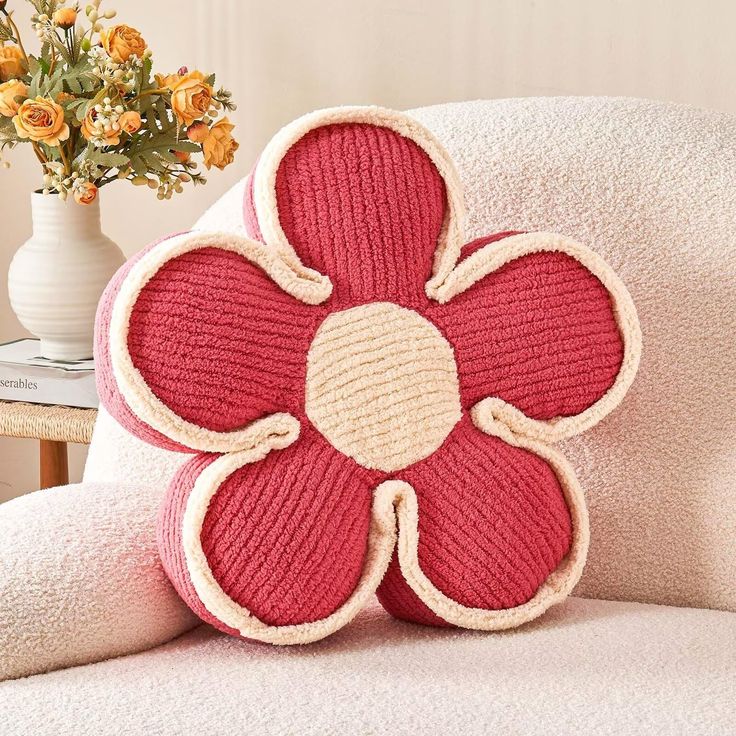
(57, 276)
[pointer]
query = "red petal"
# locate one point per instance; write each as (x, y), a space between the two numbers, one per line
(493, 525)
(539, 333)
(395, 595)
(363, 205)
(285, 537)
(218, 342)
(107, 387)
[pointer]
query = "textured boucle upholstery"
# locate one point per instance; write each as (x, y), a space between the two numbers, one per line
(81, 579)
(652, 188)
(590, 667)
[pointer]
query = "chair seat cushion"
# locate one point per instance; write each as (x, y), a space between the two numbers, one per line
(595, 667)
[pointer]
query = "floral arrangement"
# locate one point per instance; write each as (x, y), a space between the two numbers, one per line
(94, 112)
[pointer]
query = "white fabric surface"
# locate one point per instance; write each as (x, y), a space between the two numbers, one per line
(590, 667)
(116, 454)
(81, 579)
(652, 187)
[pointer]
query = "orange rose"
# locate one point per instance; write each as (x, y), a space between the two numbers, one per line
(9, 92)
(41, 120)
(92, 131)
(183, 156)
(219, 146)
(191, 97)
(121, 42)
(166, 81)
(130, 121)
(85, 193)
(65, 17)
(12, 63)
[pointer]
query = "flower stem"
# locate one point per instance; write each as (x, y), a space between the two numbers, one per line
(69, 37)
(64, 160)
(9, 16)
(39, 153)
(146, 93)
(105, 180)
(52, 65)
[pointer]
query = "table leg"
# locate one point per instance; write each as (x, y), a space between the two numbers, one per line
(54, 464)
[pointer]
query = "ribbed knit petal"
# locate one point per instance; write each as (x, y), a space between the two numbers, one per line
(107, 386)
(363, 205)
(284, 537)
(218, 342)
(539, 333)
(493, 524)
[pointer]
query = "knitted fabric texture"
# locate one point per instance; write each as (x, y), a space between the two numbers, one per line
(370, 403)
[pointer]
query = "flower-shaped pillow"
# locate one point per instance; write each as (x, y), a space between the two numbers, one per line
(369, 403)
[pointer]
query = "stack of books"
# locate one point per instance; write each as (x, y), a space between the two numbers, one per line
(27, 376)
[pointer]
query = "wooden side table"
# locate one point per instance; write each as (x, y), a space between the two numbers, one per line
(53, 426)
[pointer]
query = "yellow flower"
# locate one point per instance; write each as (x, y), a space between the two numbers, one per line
(9, 91)
(91, 130)
(130, 121)
(65, 17)
(121, 42)
(12, 63)
(197, 132)
(85, 193)
(41, 120)
(219, 146)
(190, 97)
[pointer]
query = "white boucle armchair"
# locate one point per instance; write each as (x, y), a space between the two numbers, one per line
(649, 643)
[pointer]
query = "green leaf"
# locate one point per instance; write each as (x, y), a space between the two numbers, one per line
(185, 146)
(33, 87)
(144, 144)
(54, 90)
(109, 159)
(146, 70)
(51, 153)
(62, 50)
(88, 82)
(145, 103)
(7, 129)
(153, 162)
(82, 155)
(162, 112)
(167, 156)
(72, 104)
(74, 85)
(139, 166)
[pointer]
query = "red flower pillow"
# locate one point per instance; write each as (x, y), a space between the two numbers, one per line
(369, 403)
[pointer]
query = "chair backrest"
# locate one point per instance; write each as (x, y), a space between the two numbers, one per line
(652, 187)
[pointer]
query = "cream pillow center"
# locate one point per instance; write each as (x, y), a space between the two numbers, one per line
(382, 385)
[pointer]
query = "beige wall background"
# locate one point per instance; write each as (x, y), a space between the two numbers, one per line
(282, 59)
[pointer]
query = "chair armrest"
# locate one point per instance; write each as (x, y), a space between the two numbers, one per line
(81, 579)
